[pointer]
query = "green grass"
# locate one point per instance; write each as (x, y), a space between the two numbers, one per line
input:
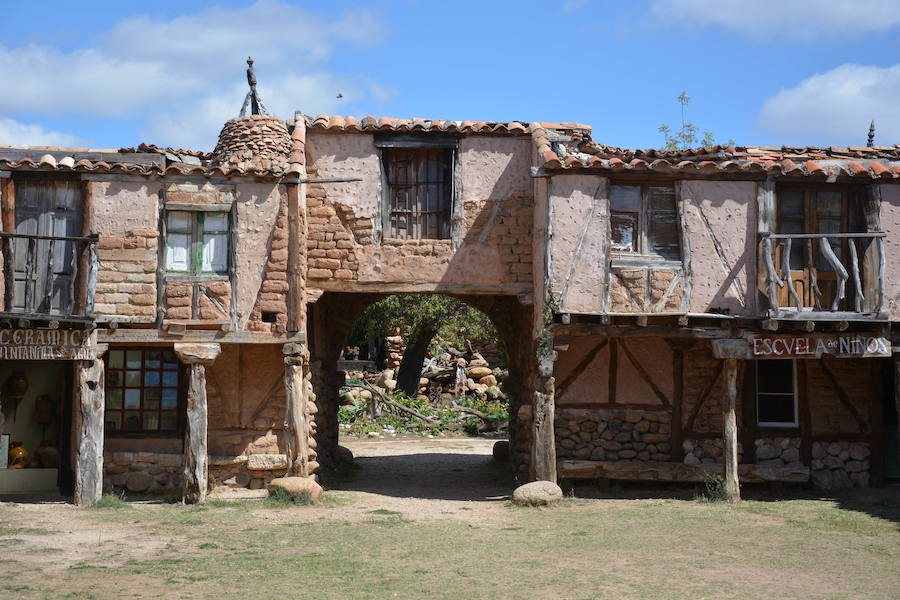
(651, 549)
(111, 501)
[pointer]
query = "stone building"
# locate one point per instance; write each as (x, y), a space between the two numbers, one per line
(667, 314)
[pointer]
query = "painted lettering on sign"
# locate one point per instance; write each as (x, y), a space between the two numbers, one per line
(46, 344)
(815, 346)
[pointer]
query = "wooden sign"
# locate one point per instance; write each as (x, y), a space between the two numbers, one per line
(46, 344)
(803, 346)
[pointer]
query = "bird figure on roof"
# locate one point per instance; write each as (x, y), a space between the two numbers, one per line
(339, 96)
(871, 142)
(252, 100)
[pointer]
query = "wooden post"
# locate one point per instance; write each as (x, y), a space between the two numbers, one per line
(198, 357)
(89, 414)
(543, 446)
(296, 418)
(732, 486)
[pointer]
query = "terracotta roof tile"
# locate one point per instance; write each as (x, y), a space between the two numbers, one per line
(373, 124)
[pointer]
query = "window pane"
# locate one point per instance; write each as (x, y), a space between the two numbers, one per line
(168, 421)
(792, 211)
(151, 421)
(169, 399)
(215, 253)
(113, 420)
(131, 421)
(152, 398)
(179, 222)
(169, 360)
(828, 205)
(151, 378)
(215, 221)
(662, 235)
(178, 252)
(116, 358)
(170, 379)
(623, 227)
(775, 408)
(775, 376)
(625, 198)
(132, 398)
(115, 378)
(132, 378)
(133, 359)
(661, 198)
(152, 359)
(114, 399)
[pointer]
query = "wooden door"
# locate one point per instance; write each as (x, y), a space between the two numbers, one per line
(811, 211)
(45, 268)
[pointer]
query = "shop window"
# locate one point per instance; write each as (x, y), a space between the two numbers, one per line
(776, 393)
(420, 192)
(644, 220)
(142, 391)
(197, 242)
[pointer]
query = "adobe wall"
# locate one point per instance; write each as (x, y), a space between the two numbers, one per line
(720, 222)
(494, 253)
(890, 223)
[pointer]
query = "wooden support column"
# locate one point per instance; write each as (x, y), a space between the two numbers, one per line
(729, 419)
(197, 357)
(543, 445)
(90, 405)
(296, 418)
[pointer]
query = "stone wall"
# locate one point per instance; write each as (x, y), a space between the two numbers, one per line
(141, 472)
(707, 452)
(269, 314)
(126, 281)
(613, 434)
(837, 465)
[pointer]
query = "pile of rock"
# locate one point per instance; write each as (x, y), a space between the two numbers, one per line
(394, 347)
(707, 452)
(837, 465)
(613, 435)
(257, 142)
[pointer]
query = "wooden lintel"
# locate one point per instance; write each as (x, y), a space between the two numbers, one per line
(641, 321)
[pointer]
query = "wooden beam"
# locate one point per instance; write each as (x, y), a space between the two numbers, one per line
(8, 207)
(677, 452)
(732, 486)
(543, 445)
(89, 409)
(580, 367)
(196, 477)
(296, 419)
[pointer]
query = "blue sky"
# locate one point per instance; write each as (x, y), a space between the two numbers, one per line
(106, 74)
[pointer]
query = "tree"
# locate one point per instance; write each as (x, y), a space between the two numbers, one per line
(421, 318)
(688, 136)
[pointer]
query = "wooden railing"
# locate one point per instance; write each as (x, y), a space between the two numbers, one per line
(49, 276)
(858, 272)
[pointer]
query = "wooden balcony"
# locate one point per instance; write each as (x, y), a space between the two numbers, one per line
(824, 275)
(49, 278)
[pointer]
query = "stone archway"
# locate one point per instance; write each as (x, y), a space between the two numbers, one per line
(331, 319)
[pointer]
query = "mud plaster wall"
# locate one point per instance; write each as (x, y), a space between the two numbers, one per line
(579, 213)
(637, 290)
(890, 222)
(720, 221)
(592, 385)
(497, 210)
(126, 215)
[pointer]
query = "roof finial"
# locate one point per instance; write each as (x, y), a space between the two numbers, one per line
(871, 142)
(252, 99)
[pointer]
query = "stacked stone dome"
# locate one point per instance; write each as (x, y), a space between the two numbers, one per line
(254, 142)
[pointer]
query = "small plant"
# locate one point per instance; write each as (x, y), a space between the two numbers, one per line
(713, 490)
(280, 497)
(114, 501)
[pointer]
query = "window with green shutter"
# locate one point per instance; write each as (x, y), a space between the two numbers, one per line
(197, 243)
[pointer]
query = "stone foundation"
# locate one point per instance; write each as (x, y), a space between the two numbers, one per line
(707, 452)
(141, 472)
(839, 465)
(252, 471)
(610, 434)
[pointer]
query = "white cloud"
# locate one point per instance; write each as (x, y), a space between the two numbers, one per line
(790, 20)
(28, 134)
(183, 77)
(835, 107)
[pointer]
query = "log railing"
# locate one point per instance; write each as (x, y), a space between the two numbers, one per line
(49, 276)
(860, 274)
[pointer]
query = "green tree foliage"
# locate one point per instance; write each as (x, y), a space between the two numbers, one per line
(689, 136)
(421, 319)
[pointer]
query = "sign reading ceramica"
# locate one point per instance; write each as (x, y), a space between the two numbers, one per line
(815, 346)
(46, 344)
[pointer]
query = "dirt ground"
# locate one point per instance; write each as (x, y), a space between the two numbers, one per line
(429, 518)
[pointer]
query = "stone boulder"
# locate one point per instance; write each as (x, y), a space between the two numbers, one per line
(537, 493)
(138, 481)
(296, 486)
(478, 372)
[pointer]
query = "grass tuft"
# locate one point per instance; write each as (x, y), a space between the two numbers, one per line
(113, 501)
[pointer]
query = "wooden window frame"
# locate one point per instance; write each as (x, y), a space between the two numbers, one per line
(180, 388)
(198, 218)
(641, 236)
(770, 425)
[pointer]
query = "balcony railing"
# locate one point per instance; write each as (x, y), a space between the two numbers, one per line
(47, 277)
(825, 273)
